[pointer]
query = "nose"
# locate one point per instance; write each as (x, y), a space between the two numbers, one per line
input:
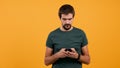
(67, 21)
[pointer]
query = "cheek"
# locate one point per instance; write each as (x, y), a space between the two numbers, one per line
(63, 22)
(70, 21)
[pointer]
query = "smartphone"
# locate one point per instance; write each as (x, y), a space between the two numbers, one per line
(68, 50)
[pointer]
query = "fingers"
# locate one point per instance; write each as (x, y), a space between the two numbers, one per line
(73, 50)
(72, 54)
(67, 53)
(63, 49)
(63, 53)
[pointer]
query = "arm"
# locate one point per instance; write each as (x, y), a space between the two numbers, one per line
(85, 58)
(51, 58)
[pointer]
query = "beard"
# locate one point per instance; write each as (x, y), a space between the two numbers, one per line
(67, 26)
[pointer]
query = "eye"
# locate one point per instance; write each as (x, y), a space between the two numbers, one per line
(64, 19)
(69, 18)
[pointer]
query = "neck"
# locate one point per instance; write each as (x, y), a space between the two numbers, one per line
(61, 28)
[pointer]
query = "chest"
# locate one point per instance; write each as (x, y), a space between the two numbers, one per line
(67, 41)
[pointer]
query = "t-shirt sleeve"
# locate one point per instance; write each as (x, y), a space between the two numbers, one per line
(85, 41)
(49, 42)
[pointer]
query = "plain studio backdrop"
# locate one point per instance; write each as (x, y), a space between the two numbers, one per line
(25, 25)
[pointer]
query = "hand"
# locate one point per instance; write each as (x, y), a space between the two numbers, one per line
(73, 53)
(62, 53)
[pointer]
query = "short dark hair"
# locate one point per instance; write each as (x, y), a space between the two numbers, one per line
(66, 9)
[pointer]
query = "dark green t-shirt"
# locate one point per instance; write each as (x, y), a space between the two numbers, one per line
(58, 39)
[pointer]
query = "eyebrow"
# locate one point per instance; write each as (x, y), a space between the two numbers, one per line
(66, 18)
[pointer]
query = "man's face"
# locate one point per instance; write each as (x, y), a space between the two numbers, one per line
(66, 20)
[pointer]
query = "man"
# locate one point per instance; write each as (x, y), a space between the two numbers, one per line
(66, 47)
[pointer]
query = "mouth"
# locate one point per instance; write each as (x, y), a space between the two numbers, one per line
(67, 26)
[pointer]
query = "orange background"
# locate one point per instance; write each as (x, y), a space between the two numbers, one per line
(25, 25)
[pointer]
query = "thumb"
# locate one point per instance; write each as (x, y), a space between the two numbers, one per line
(73, 49)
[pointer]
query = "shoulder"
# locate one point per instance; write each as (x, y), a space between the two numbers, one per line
(53, 32)
(79, 30)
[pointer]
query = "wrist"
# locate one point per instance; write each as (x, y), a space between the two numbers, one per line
(56, 55)
(78, 58)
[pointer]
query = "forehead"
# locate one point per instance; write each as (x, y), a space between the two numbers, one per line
(70, 15)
